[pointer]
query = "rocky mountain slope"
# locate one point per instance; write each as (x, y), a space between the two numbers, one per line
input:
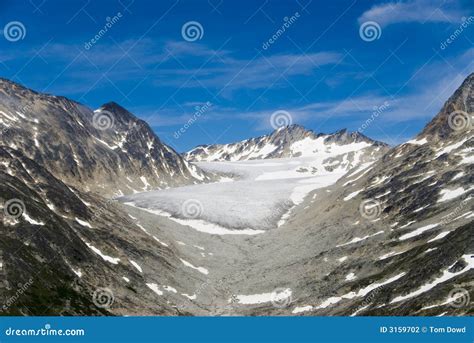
(66, 252)
(109, 151)
(396, 237)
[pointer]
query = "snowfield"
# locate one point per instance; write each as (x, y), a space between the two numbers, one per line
(263, 191)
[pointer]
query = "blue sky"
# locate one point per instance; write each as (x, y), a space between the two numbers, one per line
(322, 70)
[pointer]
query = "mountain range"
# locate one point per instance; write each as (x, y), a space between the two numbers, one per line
(287, 141)
(390, 234)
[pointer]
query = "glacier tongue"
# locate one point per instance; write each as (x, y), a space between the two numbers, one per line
(271, 174)
(262, 193)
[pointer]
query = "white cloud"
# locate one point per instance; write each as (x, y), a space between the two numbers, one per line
(420, 11)
(230, 74)
(420, 98)
(179, 64)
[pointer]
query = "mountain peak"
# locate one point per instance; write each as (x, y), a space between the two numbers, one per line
(112, 106)
(456, 116)
(340, 132)
(293, 129)
(108, 151)
(120, 113)
(287, 141)
(286, 135)
(7, 81)
(469, 78)
(14, 88)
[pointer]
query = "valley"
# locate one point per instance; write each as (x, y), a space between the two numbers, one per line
(115, 222)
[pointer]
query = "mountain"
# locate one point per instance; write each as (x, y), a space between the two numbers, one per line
(109, 150)
(455, 118)
(401, 228)
(288, 141)
(67, 252)
(340, 151)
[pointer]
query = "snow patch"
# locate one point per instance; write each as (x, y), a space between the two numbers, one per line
(352, 195)
(449, 194)
(137, 266)
(417, 232)
(361, 293)
(302, 309)
(77, 272)
(106, 258)
(154, 287)
(162, 243)
(439, 236)
(170, 289)
(83, 223)
(199, 269)
(358, 239)
(262, 297)
(31, 220)
(191, 297)
(445, 276)
(350, 276)
(417, 142)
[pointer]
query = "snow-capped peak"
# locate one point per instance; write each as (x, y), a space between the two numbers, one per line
(288, 141)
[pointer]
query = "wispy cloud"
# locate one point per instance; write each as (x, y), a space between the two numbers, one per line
(180, 65)
(255, 73)
(420, 11)
(177, 115)
(419, 98)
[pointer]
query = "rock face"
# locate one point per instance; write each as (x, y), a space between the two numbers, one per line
(456, 118)
(289, 141)
(65, 252)
(109, 151)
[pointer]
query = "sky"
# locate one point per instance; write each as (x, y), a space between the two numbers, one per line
(220, 71)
